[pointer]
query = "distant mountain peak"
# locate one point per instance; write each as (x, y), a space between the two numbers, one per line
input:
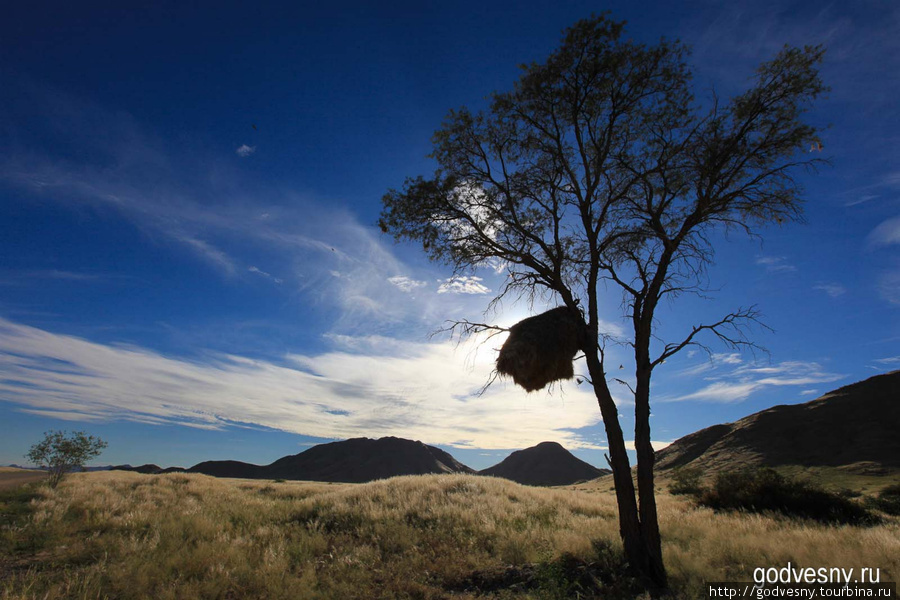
(547, 463)
(355, 460)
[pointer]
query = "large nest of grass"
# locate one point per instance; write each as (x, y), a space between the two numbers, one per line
(540, 349)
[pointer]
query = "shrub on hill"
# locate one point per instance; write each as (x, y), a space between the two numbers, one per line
(686, 481)
(765, 490)
(887, 500)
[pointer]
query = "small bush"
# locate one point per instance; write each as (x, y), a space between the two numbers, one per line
(605, 574)
(887, 500)
(765, 490)
(686, 481)
(848, 493)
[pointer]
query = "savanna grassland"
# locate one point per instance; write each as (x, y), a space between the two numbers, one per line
(127, 535)
(12, 477)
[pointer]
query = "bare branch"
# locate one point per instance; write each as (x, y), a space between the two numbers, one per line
(625, 383)
(464, 329)
(730, 329)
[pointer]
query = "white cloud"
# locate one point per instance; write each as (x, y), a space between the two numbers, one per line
(809, 392)
(861, 200)
(383, 387)
(719, 391)
(714, 361)
(891, 360)
(746, 379)
(889, 287)
(887, 233)
(697, 369)
(212, 254)
(465, 284)
(64, 275)
(259, 271)
(305, 240)
(775, 264)
(834, 290)
(244, 150)
(178, 198)
(406, 284)
(727, 358)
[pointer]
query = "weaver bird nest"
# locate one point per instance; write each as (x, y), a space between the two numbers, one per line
(540, 349)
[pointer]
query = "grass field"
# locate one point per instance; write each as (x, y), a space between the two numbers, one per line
(126, 535)
(11, 478)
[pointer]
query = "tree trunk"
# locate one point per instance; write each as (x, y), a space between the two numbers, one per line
(646, 489)
(630, 529)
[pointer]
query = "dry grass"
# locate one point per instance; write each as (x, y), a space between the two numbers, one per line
(11, 477)
(126, 535)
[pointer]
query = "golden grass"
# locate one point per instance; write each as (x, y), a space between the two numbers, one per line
(11, 478)
(127, 535)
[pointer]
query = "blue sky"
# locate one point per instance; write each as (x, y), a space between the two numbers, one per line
(189, 265)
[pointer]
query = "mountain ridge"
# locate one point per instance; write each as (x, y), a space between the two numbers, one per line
(851, 425)
(356, 460)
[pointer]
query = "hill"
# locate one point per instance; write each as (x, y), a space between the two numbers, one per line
(356, 460)
(362, 459)
(229, 468)
(148, 469)
(853, 427)
(548, 463)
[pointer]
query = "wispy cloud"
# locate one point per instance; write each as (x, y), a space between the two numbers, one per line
(834, 290)
(244, 150)
(371, 387)
(889, 286)
(727, 358)
(464, 284)
(406, 284)
(713, 361)
(860, 200)
(214, 216)
(259, 271)
(775, 264)
(14, 277)
(719, 391)
(886, 234)
(65, 275)
(744, 379)
(210, 252)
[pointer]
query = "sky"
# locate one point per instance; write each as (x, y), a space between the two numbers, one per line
(190, 267)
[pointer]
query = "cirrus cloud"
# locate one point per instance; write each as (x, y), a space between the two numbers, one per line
(363, 387)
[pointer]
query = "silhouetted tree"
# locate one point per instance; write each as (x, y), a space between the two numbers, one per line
(599, 166)
(61, 454)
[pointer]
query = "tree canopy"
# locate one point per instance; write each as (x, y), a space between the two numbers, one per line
(60, 453)
(601, 166)
(599, 163)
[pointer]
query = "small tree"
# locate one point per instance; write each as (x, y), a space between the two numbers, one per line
(61, 454)
(599, 168)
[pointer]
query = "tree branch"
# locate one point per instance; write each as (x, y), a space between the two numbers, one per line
(730, 329)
